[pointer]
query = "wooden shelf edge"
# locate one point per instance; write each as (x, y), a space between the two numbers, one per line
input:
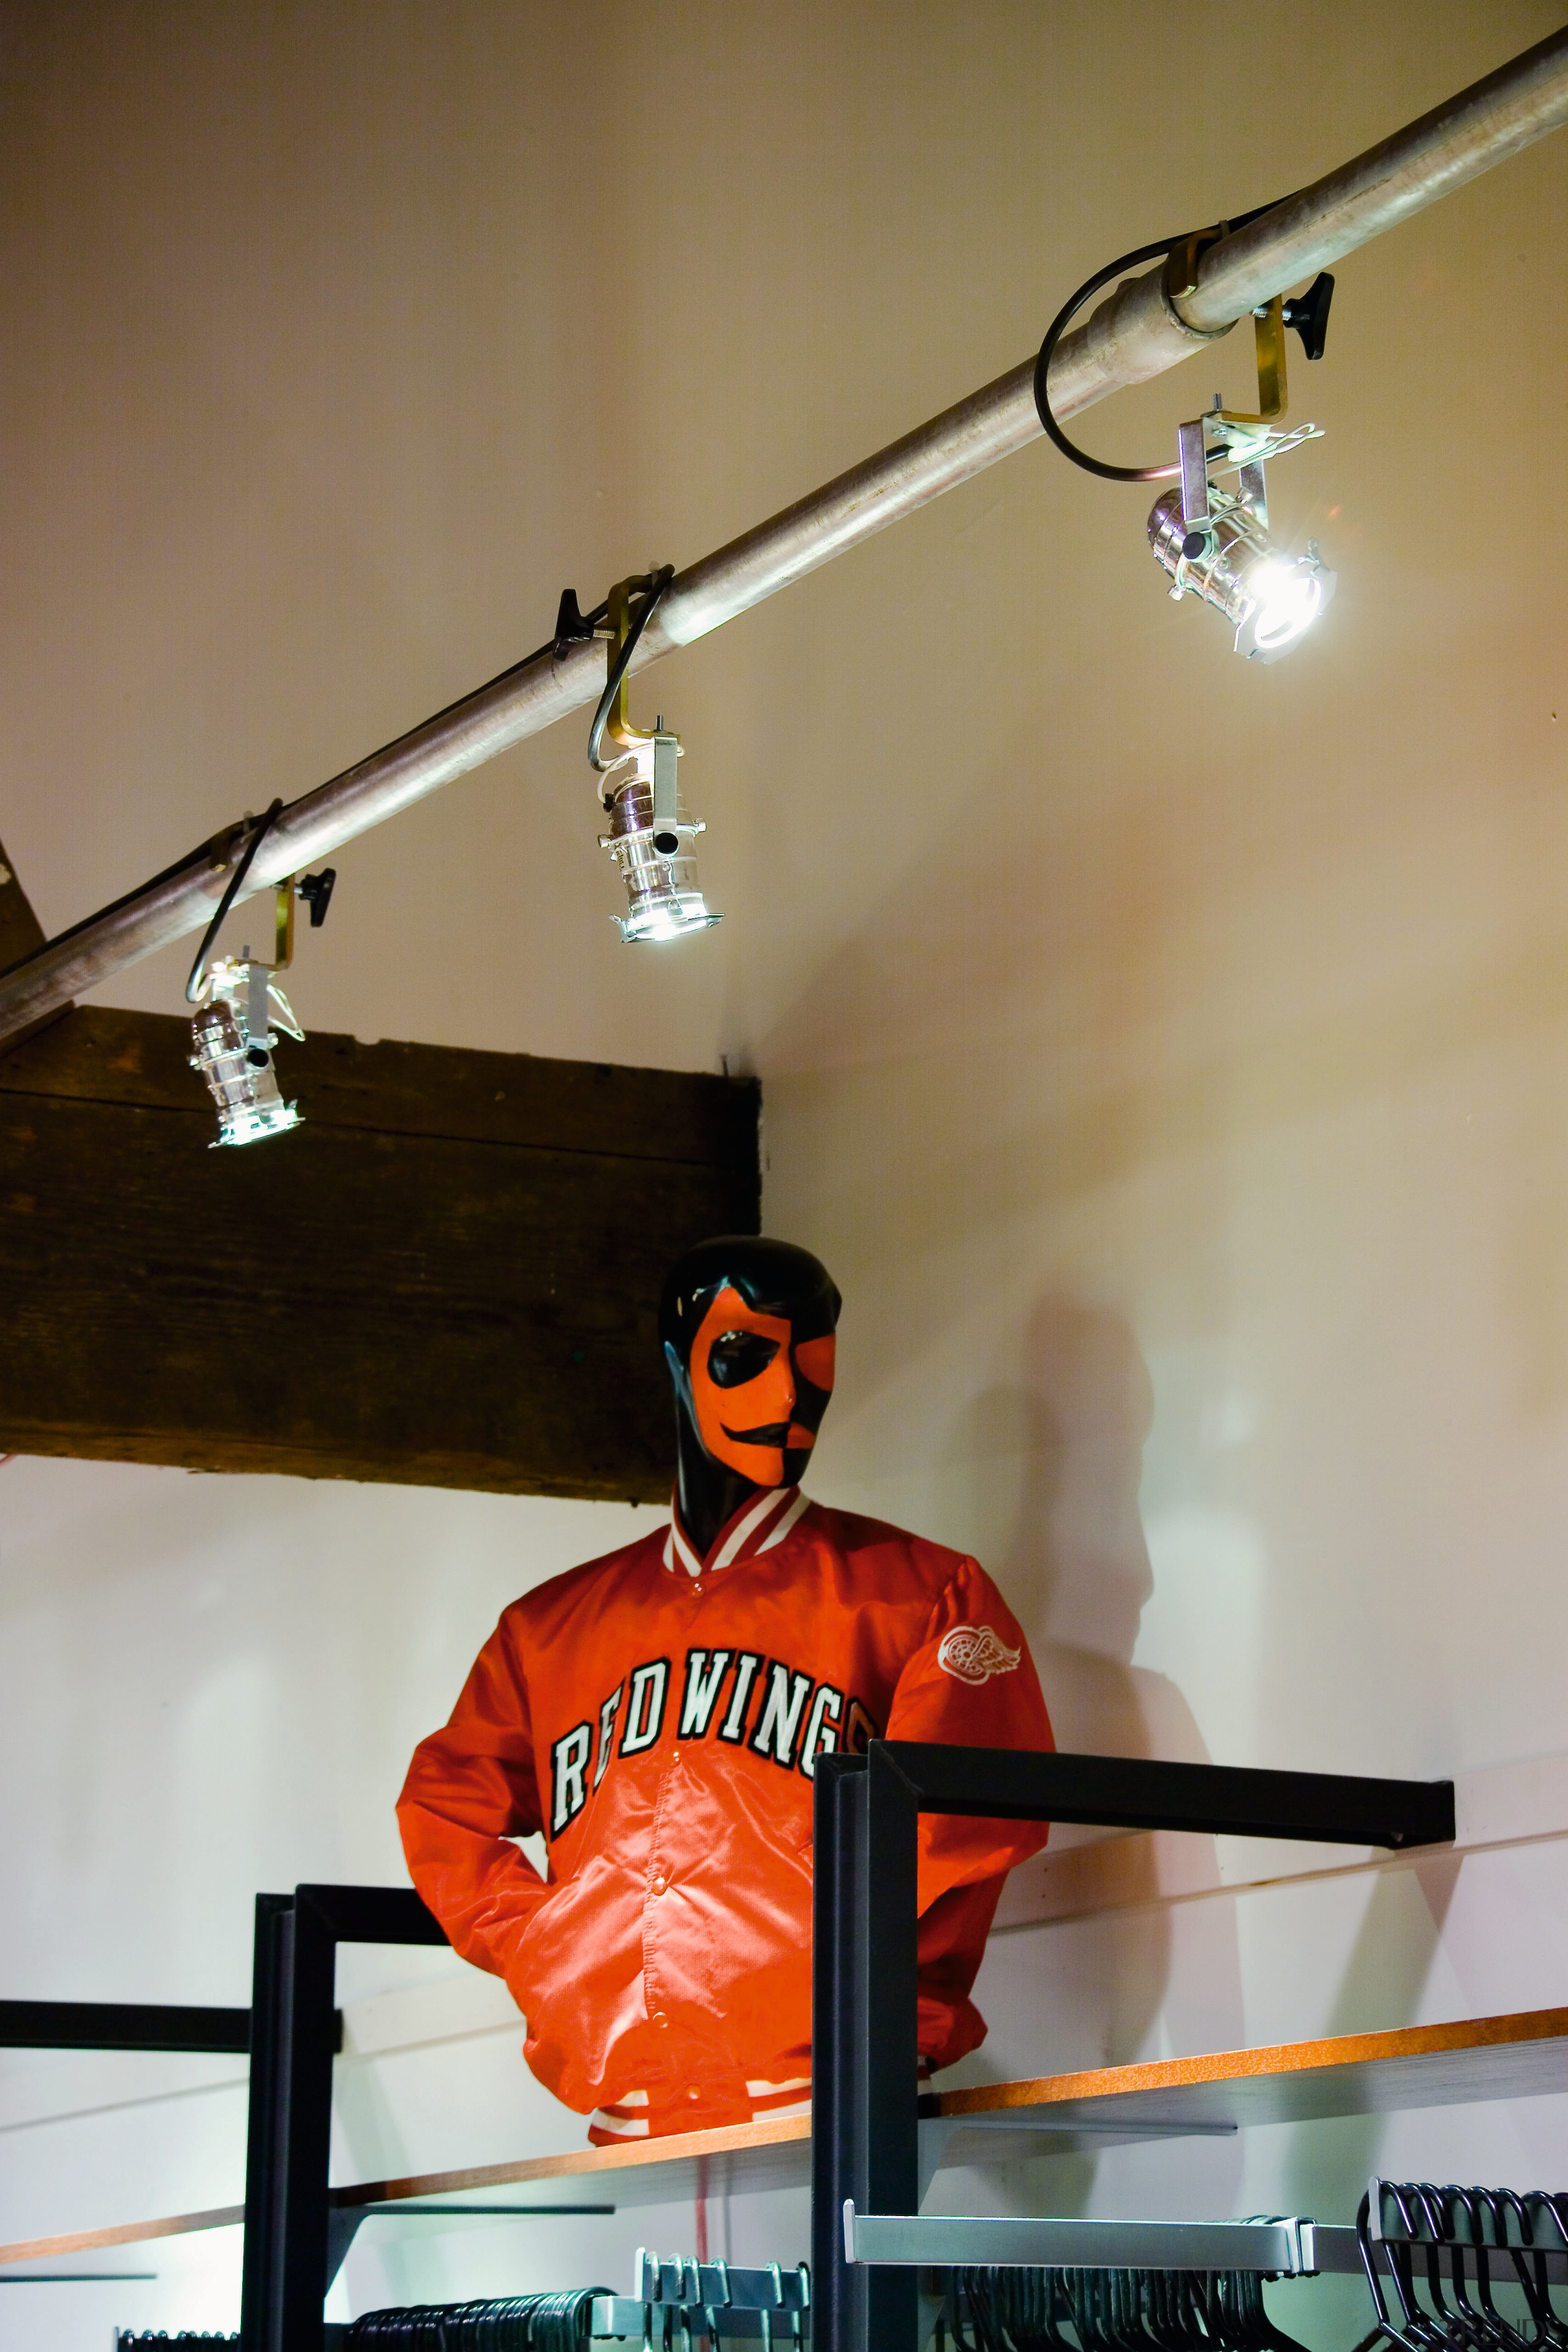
(1104, 2084)
(123, 2233)
(677, 2147)
(1520, 2027)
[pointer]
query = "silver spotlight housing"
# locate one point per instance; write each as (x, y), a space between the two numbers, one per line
(234, 1036)
(650, 841)
(650, 838)
(1270, 598)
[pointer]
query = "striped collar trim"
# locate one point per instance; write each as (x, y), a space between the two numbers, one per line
(764, 1522)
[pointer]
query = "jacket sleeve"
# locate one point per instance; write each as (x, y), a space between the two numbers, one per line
(471, 1788)
(971, 1684)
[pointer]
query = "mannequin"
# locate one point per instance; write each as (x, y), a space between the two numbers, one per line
(657, 1716)
(748, 1327)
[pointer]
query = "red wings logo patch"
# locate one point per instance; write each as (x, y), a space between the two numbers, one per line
(973, 1654)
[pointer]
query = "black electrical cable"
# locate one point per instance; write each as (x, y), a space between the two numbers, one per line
(193, 985)
(1058, 326)
(657, 583)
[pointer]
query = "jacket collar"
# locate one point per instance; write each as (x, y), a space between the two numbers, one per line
(755, 1527)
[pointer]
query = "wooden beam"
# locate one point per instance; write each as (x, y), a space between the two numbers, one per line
(20, 929)
(448, 1275)
(20, 933)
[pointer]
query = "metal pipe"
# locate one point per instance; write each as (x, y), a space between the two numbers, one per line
(1467, 135)
(1136, 334)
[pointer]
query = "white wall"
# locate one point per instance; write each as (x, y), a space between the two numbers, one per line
(1157, 1050)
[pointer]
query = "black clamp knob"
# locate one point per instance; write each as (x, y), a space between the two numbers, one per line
(316, 889)
(1309, 314)
(573, 626)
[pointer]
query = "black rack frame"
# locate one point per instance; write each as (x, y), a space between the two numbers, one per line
(122, 2025)
(865, 2107)
(295, 2033)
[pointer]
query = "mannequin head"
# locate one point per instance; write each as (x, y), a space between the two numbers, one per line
(748, 1331)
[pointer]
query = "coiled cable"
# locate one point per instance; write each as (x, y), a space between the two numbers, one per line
(1058, 327)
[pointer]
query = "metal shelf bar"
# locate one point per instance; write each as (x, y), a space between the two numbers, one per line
(940, 2240)
(1124, 1792)
(122, 2025)
(1285, 2249)
(619, 2316)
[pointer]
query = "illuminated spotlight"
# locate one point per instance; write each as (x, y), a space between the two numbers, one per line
(1271, 599)
(233, 1038)
(243, 1009)
(1214, 544)
(650, 842)
(651, 835)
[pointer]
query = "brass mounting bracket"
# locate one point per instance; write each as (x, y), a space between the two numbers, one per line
(618, 726)
(1268, 325)
(1273, 387)
(283, 929)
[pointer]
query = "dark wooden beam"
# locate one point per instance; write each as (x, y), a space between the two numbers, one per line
(20, 929)
(448, 1275)
(20, 933)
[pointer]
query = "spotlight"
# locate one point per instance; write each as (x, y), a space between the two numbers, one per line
(1214, 544)
(237, 1028)
(649, 841)
(1271, 598)
(233, 1038)
(649, 837)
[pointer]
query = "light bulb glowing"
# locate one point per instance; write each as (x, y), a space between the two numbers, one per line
(1288, 603)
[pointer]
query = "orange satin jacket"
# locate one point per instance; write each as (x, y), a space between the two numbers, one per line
(657, 1717)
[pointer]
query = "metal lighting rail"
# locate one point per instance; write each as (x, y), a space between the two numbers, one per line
(1136, 334)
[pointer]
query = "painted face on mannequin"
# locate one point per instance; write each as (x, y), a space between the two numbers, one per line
(758, 1395)
(747, 1324)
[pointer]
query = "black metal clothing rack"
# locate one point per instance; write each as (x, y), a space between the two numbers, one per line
(294, 2241)
(866, 2111)
(865, 2106)
(122, 2025)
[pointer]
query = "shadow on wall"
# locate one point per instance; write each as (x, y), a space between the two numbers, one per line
(1076, 1570)
(1094, 1987)
(1076, 1566)
(1398, 1939)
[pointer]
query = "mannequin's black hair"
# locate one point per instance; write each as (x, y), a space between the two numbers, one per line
(776, 1278)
